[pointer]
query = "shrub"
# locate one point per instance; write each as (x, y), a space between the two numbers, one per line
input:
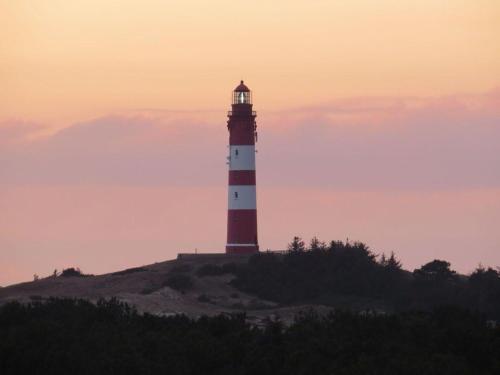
(230, 268)
(179, 282)
(216, 270)
(129, 271)
(181, 268)
(73, 272)
(204, 298)
(148, 290)
(209, 270)
(238, 305)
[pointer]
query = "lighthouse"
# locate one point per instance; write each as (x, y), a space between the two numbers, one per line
(242, 197)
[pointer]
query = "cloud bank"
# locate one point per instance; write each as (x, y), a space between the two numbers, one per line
(360, 144)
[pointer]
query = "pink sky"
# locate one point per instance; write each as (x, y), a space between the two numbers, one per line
(378, 121)
(412, 175)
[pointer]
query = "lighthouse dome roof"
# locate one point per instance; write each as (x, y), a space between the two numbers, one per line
(242, 87)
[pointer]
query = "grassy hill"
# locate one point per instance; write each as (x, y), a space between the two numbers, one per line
(338, 275)
(164, 289)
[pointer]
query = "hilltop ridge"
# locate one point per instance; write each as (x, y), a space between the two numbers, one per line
(146, 289)
(321, 276)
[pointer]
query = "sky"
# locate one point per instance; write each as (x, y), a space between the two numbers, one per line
(379, 121)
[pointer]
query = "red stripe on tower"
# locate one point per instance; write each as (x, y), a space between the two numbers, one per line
(241, 177)
(242, 198)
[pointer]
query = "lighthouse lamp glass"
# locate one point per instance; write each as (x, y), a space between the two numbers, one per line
(242, 97)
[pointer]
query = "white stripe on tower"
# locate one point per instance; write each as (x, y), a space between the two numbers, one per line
(242, 197)
(242, 158)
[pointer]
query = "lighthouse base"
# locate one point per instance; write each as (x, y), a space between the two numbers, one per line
(239, 249)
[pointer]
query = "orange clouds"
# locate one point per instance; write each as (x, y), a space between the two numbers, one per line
(63, 61)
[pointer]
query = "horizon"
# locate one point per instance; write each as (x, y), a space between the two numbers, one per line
(377, 122)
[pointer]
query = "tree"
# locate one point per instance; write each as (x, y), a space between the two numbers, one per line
(435, 271)
(316, 244)
(392, 263)
(383, 260)
(59, 336)
(484, 276)
(485, 282)
(297, 245)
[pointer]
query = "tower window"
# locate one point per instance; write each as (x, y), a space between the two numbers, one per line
(235, 195)
(236, 152)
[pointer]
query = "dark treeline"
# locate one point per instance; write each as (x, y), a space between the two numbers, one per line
(336, 272)
(77, 337)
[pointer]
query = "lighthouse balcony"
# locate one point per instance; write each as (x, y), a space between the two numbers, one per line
(236, 113)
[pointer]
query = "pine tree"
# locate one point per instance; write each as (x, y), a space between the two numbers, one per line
(383, 260)
(297, 245)
(316, 244)
(392, 263)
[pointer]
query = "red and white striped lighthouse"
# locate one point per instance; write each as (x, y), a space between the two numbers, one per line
(242, 198)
